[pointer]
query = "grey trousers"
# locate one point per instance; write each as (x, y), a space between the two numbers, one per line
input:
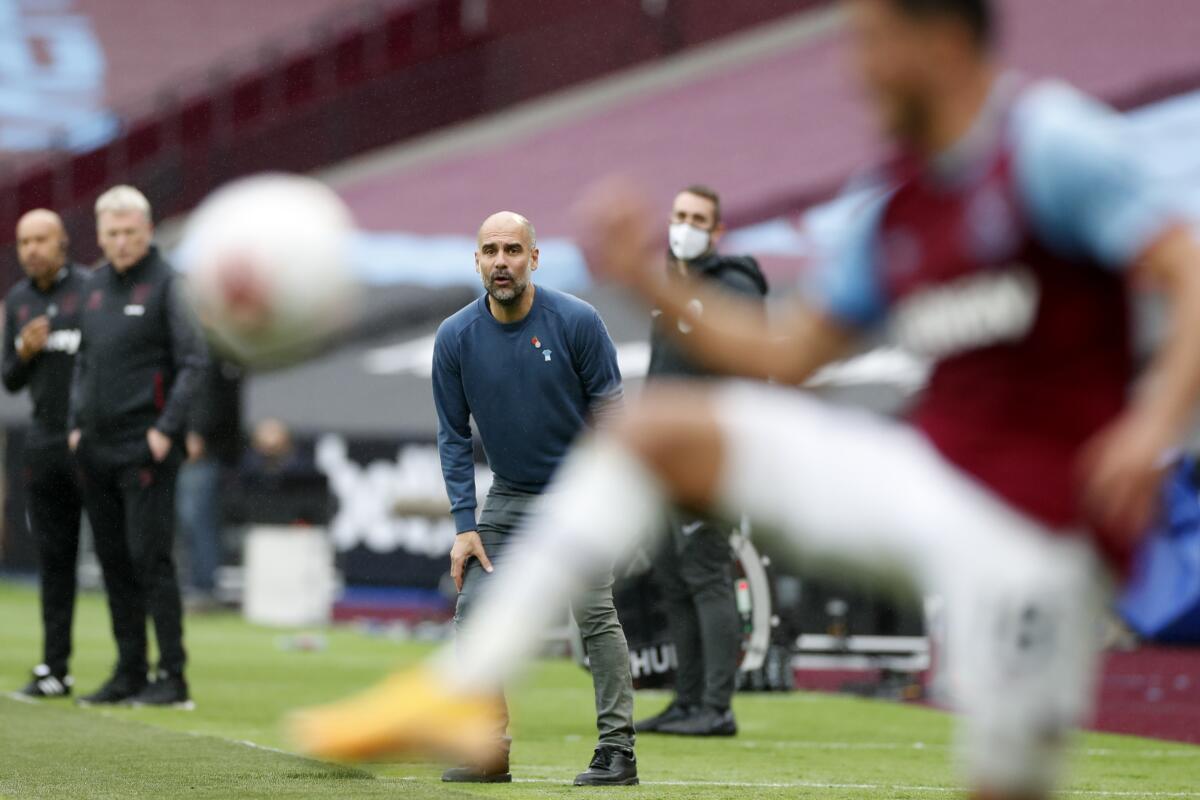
(694, 573)
(503, 513)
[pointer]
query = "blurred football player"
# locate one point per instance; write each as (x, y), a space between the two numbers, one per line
(1001, 245)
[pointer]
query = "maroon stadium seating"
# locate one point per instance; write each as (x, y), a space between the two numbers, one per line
(148, 47)
(774, 135)
(388, 71)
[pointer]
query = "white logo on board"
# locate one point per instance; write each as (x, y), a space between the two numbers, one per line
(391, 505)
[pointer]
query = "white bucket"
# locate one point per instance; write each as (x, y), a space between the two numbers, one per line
(289, 576)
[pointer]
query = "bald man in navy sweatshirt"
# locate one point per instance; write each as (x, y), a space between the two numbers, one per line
(534, 367)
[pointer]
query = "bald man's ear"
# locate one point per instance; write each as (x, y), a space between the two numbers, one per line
(477, 261)
(533, 258)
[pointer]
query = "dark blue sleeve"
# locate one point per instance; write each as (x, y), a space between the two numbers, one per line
(454, 430)
(596, 363)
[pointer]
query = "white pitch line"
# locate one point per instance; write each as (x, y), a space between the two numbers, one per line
(248, 743)
(1101, 752)
(1089, 752)
(109, 714)
(20, 698)
(865, 787)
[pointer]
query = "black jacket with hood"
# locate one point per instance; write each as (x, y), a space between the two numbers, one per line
(736, 274)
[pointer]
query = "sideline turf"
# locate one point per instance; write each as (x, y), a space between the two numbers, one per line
(800, 745)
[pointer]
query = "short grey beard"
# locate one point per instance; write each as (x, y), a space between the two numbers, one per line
(513, 294)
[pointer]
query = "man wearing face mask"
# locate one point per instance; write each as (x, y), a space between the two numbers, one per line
(694, 567)
(41, 337)
(534, 368)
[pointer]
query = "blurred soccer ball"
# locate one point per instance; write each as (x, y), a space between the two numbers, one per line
(267, 267)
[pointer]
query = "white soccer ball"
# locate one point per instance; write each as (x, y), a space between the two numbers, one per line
(266, 260)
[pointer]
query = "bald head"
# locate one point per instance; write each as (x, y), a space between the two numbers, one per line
(41, 245)
(41, 217)
(505, 256)
(508, 223)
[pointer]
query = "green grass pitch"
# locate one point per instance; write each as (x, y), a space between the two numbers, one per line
(231, 746)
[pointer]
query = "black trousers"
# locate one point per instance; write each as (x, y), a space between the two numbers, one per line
(694, 574)
(130, 500)
(53, 509)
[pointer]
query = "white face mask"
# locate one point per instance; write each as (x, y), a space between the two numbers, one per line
(688, 241)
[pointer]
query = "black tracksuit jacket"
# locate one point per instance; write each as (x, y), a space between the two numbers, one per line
(47, 374)
(141, 357)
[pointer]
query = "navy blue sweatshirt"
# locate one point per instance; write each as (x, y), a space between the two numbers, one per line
(531, 386)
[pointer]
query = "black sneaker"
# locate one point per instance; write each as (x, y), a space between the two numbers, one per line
(704, 721)
(46, 684)
(611, 766)
(170, 691)
(673, 712)
(117, 689)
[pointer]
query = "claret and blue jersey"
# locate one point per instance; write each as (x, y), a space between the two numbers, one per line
(1001, 261)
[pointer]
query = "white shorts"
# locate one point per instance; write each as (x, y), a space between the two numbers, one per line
(1022, 603)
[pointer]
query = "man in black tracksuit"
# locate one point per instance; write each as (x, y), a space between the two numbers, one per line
(694, 568)
(41, 337)
(141, 358)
